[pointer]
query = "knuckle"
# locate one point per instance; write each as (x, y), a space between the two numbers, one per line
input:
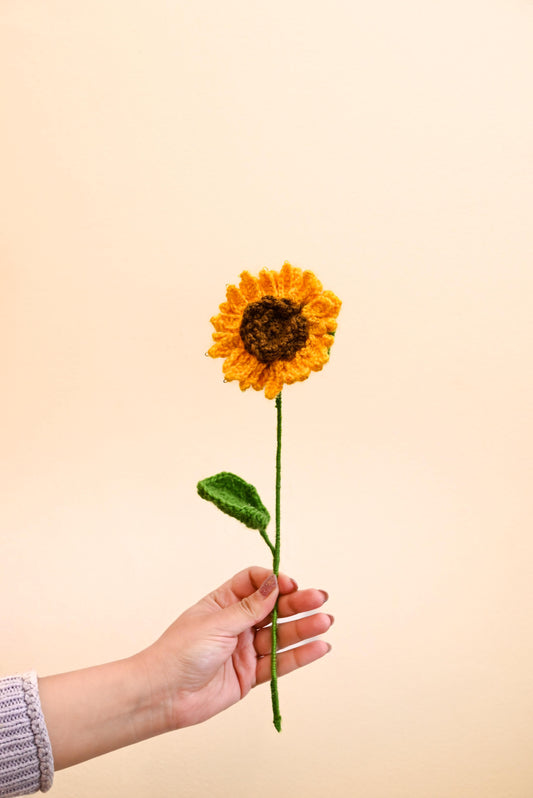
(248, 607)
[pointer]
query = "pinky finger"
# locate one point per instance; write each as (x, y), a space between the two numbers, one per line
(292, 660)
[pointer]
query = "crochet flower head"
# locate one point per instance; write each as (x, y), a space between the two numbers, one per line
(275, 329)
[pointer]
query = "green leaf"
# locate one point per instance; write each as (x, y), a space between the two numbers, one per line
(237, 498)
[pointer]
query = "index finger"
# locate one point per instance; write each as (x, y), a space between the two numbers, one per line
(250, 579)
(298, 601)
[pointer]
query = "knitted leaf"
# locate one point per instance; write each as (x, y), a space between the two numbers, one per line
(237, 498)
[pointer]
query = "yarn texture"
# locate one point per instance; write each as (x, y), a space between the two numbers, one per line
(273, 330)
(26, 762)
(237, 498)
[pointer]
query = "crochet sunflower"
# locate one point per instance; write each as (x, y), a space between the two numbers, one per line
(273, 330)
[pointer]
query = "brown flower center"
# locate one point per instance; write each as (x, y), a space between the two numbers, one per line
(274, 329)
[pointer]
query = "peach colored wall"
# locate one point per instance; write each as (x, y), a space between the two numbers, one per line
(152, 150)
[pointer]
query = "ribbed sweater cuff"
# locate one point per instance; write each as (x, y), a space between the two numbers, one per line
(26, 763)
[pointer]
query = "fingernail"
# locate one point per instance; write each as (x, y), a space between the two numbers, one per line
(326, 595)
(268, 586)
(332, 620)
(294, 584)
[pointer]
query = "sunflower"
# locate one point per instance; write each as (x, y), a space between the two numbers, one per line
(275, 329)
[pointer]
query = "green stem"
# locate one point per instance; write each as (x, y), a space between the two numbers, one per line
(268, 541)
(276, 553)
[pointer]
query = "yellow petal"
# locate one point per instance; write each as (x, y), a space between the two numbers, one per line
(256, 378)
(235, 299)
(233, 358)
(317, 327)
(289, 281)
(315, 353)
(220, 349)
(238, 365)
(230, 338)
(320, 361)
(261, 380)
(229, 310)
(290, 373)
(296, 369)
(311, 287)
(249, 287)
(226, 323)
(274, 382)
(268, 282)
(336, 302)
(320, 308)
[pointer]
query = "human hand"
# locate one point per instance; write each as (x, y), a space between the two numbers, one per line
(217, 650)
(209, 658)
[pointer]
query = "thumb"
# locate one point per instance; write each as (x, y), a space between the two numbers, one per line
(250, 610)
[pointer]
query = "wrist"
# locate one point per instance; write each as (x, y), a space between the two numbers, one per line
(152, 708)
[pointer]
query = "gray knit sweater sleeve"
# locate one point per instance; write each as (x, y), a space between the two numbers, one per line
(26, 763)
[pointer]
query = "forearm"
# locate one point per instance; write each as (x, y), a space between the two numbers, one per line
(96, 710)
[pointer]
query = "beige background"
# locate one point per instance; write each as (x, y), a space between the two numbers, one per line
(151, 151)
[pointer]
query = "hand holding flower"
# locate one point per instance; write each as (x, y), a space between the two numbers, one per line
(274, 329)
(210, 657)
(219, 649)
